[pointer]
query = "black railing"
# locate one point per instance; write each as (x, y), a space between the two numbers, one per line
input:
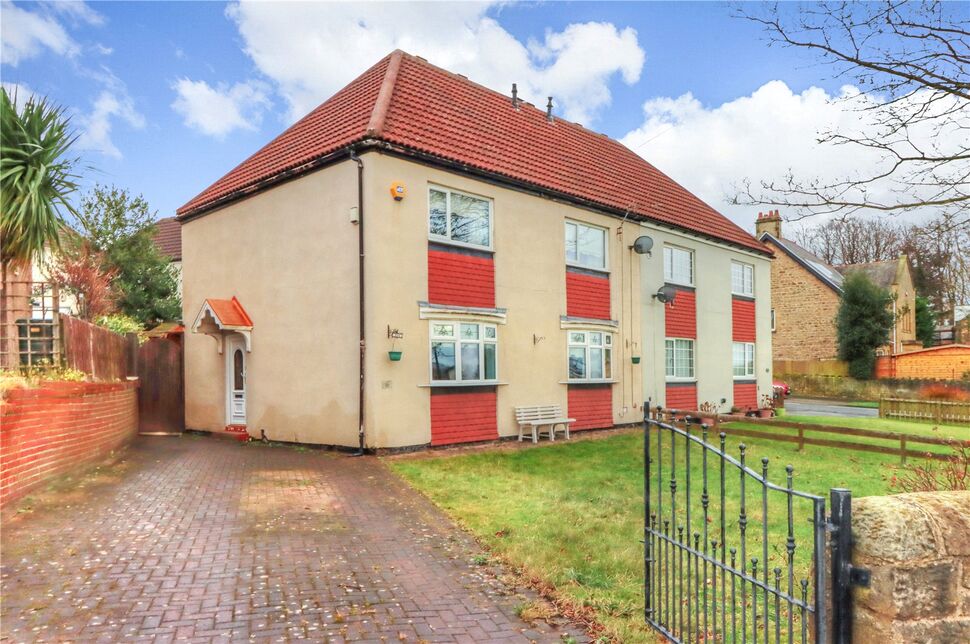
(709, 577)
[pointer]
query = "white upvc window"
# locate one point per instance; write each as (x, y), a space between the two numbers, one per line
(679, 359)
(463, 352)
(742, 279)
(678, 266)
(742, 359)
(590, 355)
(459, 218)
(585, 246)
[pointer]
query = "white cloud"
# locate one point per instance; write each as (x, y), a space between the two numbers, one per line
(77, 12)
(217, 111)
(95, 126)
(25, 34)
(313, 49)
(712, 150)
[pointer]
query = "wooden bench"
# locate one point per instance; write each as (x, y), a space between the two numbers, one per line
(536, 418)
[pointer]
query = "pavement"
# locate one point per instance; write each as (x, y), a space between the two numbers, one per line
(200, 539)
(818, 407)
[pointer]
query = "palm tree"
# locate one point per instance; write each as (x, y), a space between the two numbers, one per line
(36, 177)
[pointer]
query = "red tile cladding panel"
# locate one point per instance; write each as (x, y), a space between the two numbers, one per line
(587, 296)
(430, 110)
(746, 395)
(461, 279)
(463, 417)
(681, 317)
(591, 406)
(742, 320)
(682, 397)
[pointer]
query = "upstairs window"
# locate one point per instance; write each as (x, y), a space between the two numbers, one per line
(678, 266)
(742, 359)
(679, 359)
(742, 279)
(454, 217)
(463, 352)
(590, 355)
(585, 246)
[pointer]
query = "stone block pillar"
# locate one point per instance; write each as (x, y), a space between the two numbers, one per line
(918, 549)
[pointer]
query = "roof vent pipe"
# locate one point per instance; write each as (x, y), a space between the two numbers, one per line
(515, 96)
(549, 110)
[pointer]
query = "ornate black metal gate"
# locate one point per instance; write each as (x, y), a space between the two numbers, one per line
(725, 562)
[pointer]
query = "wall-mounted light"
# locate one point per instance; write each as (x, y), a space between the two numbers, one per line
(643, 245)
(666, 294)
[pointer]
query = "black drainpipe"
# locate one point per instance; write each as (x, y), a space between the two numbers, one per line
(360, 269)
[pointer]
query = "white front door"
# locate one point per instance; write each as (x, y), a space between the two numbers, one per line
(235, 381)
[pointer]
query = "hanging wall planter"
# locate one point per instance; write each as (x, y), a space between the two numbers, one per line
(395, 356)
(635, 359)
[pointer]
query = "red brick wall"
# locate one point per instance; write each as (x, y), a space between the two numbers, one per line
(742, 320)
(746, 395)
(462, 416)
(681, 316)
(587, 296)
(53, 429)
(682, 396)
(460, 279)
(591, 406)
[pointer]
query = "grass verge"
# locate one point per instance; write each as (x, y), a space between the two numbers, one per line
(572, 513)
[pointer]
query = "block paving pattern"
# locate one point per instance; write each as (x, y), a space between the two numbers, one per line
(201, 539)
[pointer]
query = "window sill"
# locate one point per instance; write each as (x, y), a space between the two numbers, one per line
(690, 287)
(746, 380)
(590, 381)
(466, 383)
(743, 296)
(444, 241)
(605, 272)
(688, 381)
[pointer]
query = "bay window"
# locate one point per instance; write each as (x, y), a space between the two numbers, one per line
(454, 217)
(463, 352)
(590, 355)
(679, 359)
(585, 246)
(678, 266)
(742, 279)
(742, 359)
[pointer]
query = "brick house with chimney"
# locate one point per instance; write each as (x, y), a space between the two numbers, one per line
(420, 255)
(806, 292)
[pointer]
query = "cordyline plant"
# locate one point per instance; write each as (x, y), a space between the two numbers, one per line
(36, 176)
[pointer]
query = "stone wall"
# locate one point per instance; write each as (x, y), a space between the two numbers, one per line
(805, 310)
(918, 549)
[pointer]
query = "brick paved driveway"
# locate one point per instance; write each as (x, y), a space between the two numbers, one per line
(202, 539)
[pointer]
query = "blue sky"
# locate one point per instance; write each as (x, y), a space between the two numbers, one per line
(168, 96)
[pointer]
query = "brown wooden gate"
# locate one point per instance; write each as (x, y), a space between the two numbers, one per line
(161, 399)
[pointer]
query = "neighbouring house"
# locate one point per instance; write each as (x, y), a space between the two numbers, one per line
(168, 239)
(419, 255)
(806, 291)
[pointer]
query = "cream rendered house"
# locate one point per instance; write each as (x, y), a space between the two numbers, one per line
(420, 255)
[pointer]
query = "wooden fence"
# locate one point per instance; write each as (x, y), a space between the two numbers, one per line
(103, 354)
(927, 411)
(800, 433)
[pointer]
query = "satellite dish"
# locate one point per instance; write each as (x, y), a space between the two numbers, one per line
(642, 245)
(666, 294)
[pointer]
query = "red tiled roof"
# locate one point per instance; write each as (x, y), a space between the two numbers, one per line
(230, 312)
(168, 237)
(405, 101)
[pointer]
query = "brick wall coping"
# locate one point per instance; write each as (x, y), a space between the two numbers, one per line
(62, 389)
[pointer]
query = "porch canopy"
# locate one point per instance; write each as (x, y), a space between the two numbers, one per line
(219, 318)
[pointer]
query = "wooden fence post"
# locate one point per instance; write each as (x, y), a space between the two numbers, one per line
(902, 448)
(132, 355)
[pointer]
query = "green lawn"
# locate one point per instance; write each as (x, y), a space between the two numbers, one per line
(572, 513)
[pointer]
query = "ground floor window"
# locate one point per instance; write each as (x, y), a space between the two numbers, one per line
(590, 355)
(679, 359)
(742, 359)
(463, 352)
